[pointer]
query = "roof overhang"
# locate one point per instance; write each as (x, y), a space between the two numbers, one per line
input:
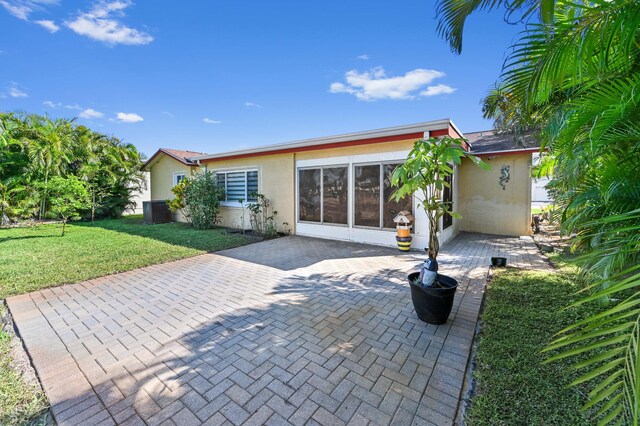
(169, 154)
(359, 138)
(506, 152)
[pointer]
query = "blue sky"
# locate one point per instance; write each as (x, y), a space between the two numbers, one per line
(214, 76)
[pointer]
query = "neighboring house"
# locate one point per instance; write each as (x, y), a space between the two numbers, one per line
(338, 187)
(139, 197)
(539, 195)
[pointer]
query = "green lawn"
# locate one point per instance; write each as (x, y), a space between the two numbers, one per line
(523, 311)
(20, 402)
(38, 257)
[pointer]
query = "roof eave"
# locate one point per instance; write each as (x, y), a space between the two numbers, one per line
(304, 143)
(163, 151)
(507, 151)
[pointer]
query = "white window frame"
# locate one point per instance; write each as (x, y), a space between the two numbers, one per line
(380, 165)
(176, 175)
(321, 168)
(246, 183)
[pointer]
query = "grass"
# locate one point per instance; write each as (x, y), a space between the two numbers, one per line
(20, 402)
(38, 257)
(523, 311)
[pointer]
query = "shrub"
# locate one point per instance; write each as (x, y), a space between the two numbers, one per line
(177, 205)
(202, 198)
(67, 197)
(261, 221)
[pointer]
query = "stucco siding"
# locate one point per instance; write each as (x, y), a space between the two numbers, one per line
(162, 171)
(488, 208)
(275, 181)
(399, 145)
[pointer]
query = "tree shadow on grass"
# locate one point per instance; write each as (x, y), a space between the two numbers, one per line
(26, 237)
(176, 233)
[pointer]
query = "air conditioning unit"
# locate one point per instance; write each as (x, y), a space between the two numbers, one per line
(156, 212)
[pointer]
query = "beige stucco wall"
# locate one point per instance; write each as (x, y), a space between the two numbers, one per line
(161, 171)
(487, 208)
(401, 145)
(275, 181)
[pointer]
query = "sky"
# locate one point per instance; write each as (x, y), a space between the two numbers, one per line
(213, 76)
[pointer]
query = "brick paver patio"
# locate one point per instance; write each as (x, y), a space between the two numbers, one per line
(290, 331)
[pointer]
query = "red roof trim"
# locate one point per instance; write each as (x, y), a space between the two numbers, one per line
(417, 135)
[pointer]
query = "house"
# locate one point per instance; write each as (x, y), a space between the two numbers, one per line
(338, 187)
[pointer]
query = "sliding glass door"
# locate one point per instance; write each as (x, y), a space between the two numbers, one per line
(323, 195)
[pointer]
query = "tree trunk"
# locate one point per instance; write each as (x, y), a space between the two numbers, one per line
(434, 244)
(64, 225)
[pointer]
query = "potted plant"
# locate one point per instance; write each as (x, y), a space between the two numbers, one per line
(426, 172)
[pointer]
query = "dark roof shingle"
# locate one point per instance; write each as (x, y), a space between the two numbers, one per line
(488, 141)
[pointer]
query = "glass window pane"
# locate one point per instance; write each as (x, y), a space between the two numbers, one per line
(367, 195)
(447, 197)
(335, 203)
(252, 185)
(309, 195)
(222, 179)
(392, 208)
(236, 186)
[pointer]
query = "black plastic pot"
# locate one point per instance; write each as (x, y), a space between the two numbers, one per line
(499, 261)
(433, 305)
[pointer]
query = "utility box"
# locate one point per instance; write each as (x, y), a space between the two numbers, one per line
(156, 212)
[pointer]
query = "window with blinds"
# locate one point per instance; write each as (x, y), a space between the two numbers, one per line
(239, 185)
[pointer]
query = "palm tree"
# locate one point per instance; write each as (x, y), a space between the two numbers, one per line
(47, 145)
(578, 72)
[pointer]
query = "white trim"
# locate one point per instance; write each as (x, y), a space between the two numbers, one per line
(236, 204)
(349, 232)
(175, 177)
(387, 131)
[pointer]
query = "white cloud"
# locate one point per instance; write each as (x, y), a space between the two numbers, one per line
(440, 89)
(363, 57)
(375, 84)
(21, 9)
(16, 92)
(101, 23)
(128, 117)
(18, 9)
(168, 114)
(48, 25)
(52, 104)
(210, 121)
(90, 113)
(74, 106)
(252, 105)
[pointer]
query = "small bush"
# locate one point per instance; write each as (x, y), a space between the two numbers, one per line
(202, 200)
(263, 222)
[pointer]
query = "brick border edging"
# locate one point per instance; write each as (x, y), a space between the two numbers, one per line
(469, 386)
(57, 396)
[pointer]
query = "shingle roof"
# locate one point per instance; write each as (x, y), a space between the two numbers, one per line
(488, 141)
(177, 154)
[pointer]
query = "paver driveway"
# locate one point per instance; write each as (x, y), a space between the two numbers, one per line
(294, 330)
